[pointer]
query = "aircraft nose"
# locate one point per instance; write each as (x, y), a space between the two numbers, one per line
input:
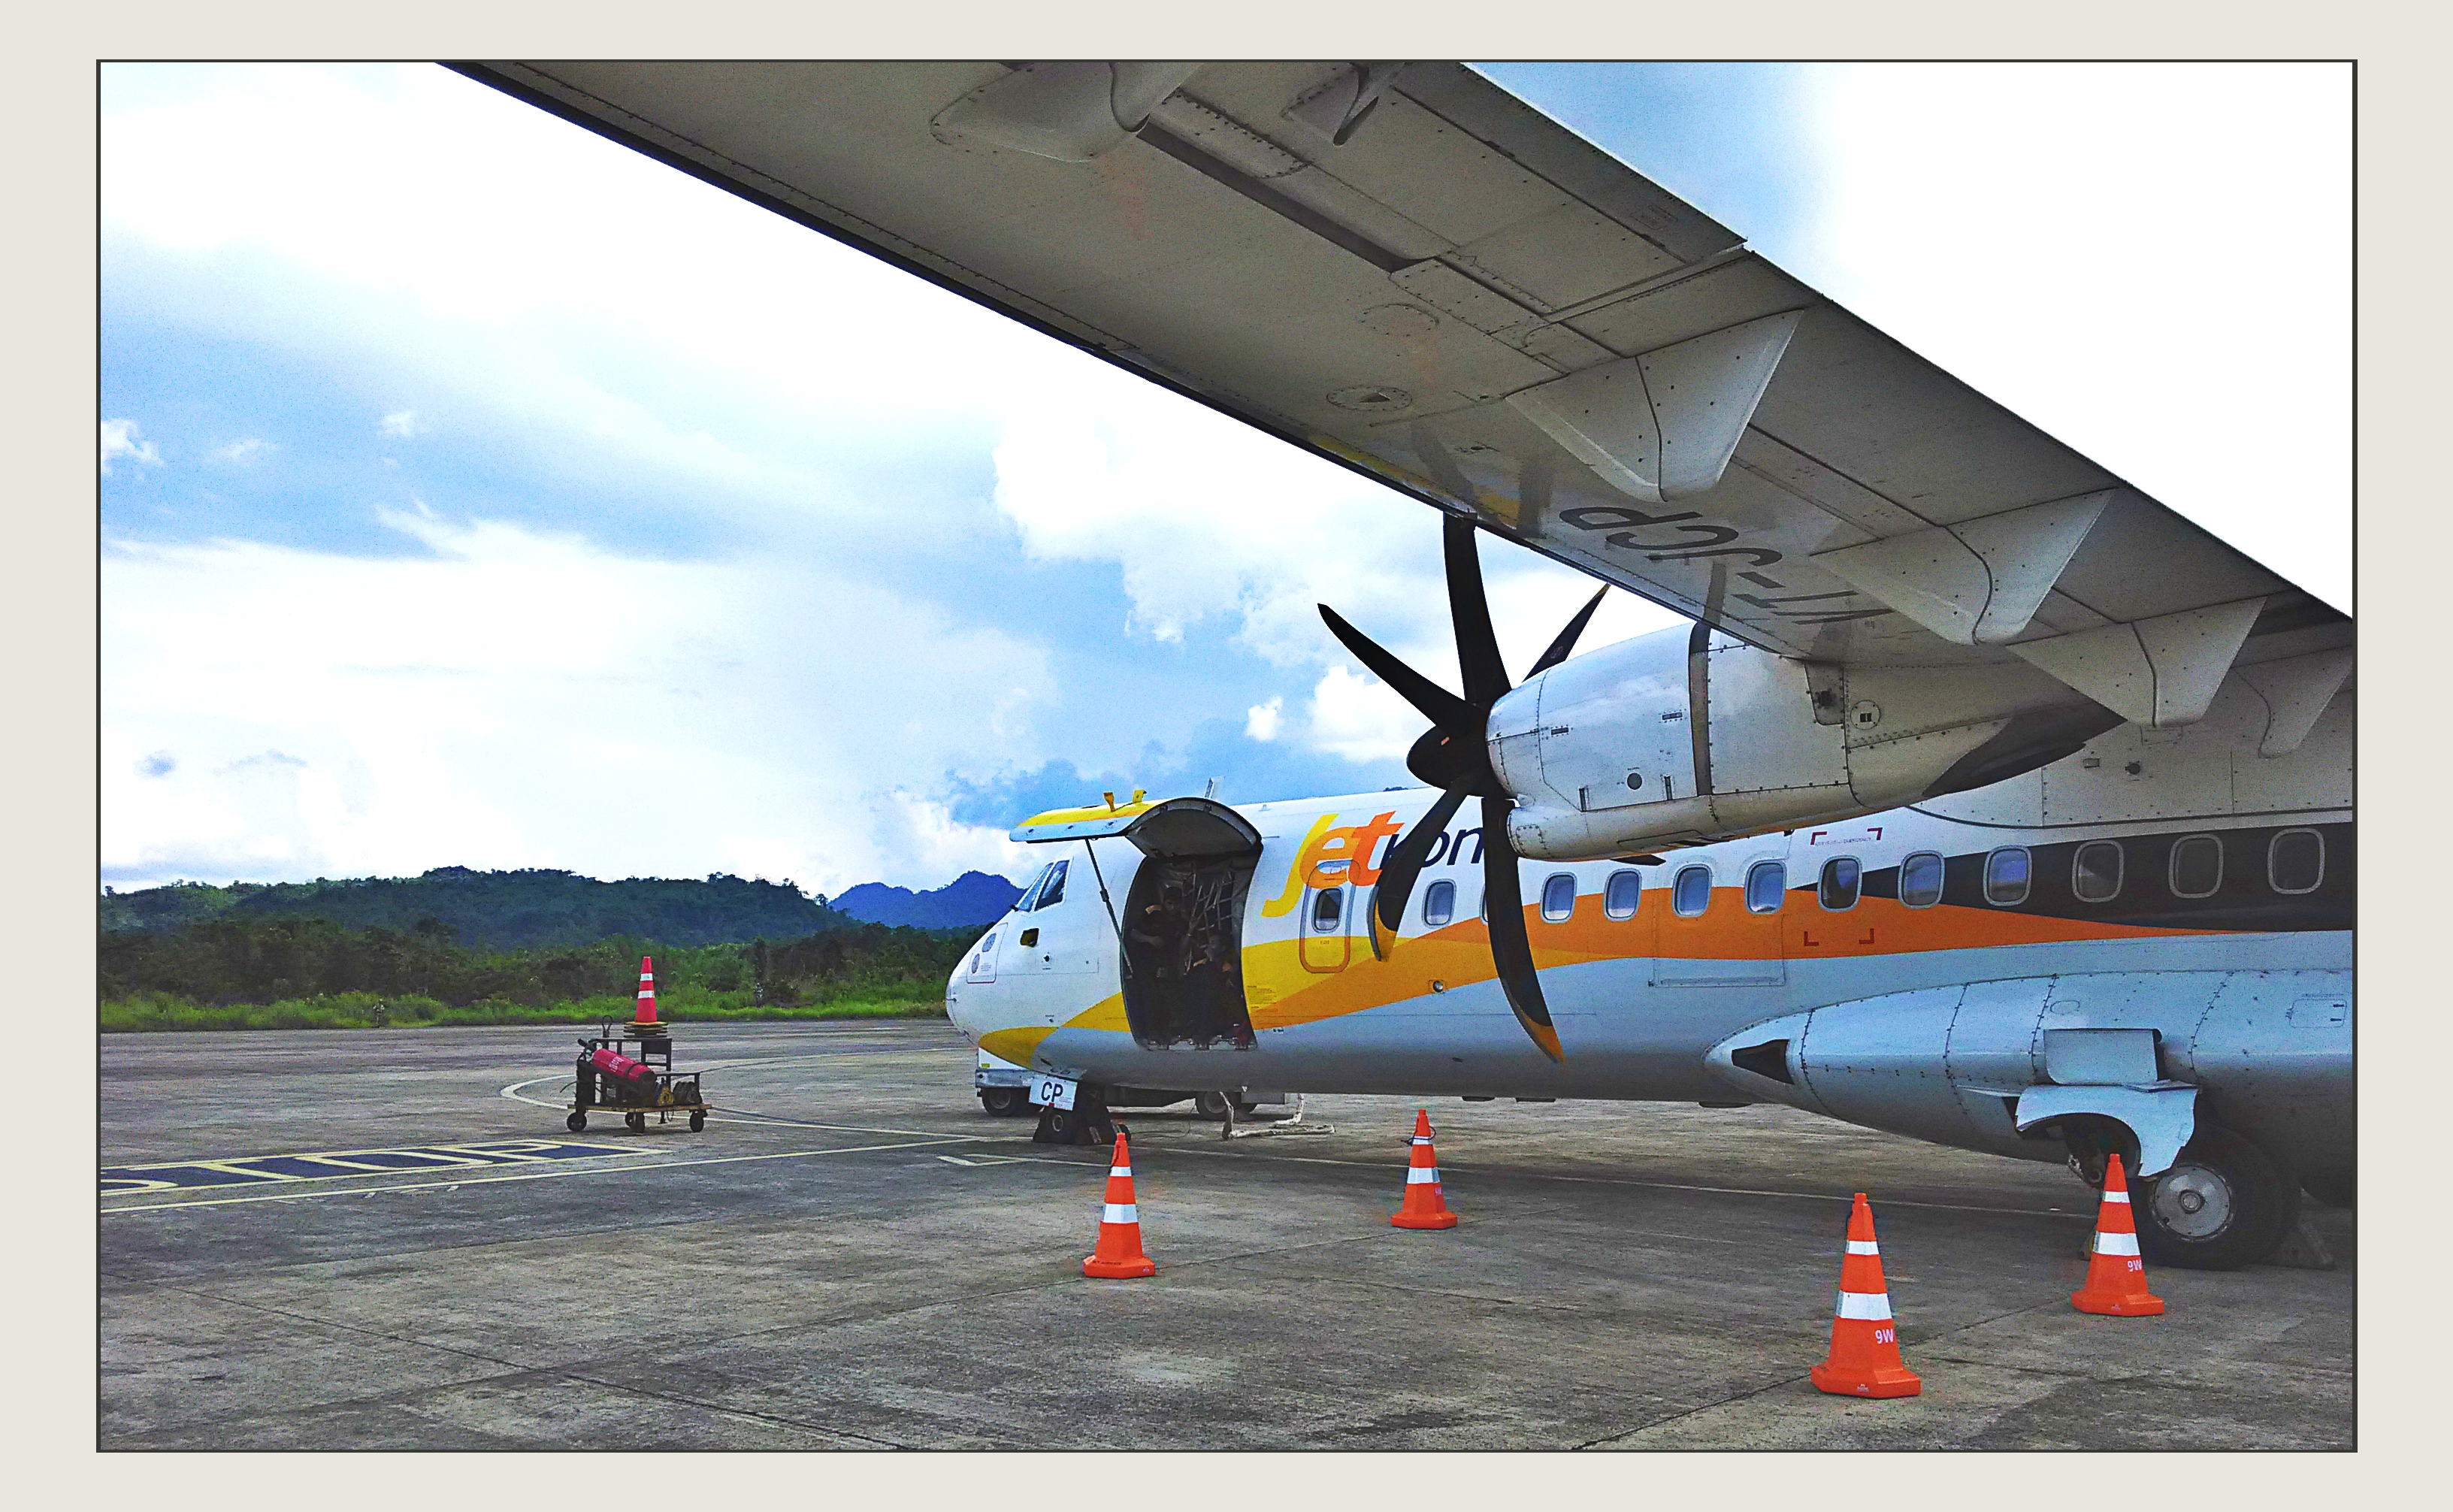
(962, 1004)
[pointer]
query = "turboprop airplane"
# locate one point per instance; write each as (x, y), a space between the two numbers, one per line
(1988, 800)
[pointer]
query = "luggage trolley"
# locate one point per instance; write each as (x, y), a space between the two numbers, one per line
(634, 1073)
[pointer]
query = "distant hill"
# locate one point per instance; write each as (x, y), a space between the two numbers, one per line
(972, 900)
(500, 910)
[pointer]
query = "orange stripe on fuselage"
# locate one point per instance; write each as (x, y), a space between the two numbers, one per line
(1282, 993)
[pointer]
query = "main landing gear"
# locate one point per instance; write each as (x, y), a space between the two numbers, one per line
(2224, 1203)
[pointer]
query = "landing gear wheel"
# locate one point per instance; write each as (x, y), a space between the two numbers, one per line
(1003, 1102)
(698, 1119)
(2222, 1205)
(635, 1122)
(1211, 1105)
(577, 1123)
(2332, 1189)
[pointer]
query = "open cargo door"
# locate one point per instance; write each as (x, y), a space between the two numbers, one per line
(1182, 926)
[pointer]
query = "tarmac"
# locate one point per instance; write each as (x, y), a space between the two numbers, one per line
(853, 1255)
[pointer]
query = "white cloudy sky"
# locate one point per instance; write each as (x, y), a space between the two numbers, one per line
(475, 492)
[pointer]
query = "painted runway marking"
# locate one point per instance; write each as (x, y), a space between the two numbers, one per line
(538, 1175)
(332, 1164)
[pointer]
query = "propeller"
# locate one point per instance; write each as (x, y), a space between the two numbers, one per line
(1454, 755)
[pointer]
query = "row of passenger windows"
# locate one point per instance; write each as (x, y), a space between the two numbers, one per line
(2295, 862)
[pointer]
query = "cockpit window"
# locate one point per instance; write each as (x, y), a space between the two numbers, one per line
(1051, 886)
(1030, 898)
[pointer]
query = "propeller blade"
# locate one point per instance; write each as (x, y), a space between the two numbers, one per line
(1485, 675)
(1566, 640)
(1406, 859)
(1510, 950)
(1436, 704)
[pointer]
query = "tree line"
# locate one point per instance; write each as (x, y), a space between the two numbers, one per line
(234, 957)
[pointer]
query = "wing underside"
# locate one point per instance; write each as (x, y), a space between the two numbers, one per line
(1406, 269)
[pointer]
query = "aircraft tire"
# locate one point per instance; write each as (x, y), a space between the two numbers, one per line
(1210, 1105)
(2225, 1203)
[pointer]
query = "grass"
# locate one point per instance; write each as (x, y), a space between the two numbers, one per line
(162, 1012)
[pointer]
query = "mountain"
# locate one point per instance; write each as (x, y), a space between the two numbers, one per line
(972, 900)
(498, 910)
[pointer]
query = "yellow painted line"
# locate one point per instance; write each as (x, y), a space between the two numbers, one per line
(539, 1176)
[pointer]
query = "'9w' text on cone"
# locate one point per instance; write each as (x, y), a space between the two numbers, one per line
(1119, 1254)
(1864, 1359)
(2115, 1278)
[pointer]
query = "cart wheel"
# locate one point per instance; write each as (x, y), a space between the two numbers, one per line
(577, 1123)
(698, 1119)
(636, 1122)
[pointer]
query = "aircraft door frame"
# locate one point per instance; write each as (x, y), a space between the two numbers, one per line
(1326, 950)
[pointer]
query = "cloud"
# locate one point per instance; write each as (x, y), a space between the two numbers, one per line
(2093, 246)
(1262, 720)
(244, 453)
(119, 439)
(509, 698)
(401, 424)
(1212, 522)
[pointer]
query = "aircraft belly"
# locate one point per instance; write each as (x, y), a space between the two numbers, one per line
(1629, 1038)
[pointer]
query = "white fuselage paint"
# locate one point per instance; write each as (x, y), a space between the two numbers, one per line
(1637, 1024)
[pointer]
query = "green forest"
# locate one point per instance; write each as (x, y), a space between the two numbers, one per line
(498, 910)
(337, 955)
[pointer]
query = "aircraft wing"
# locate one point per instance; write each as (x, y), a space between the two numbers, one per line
(1406, 267)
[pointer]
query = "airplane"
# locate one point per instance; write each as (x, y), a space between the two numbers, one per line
(1987, 800)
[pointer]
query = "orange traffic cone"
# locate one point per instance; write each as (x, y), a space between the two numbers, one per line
(646, 1015)
(2115, 1278)
(1864, 1359)
(1424, 1207)
(1118, 1255)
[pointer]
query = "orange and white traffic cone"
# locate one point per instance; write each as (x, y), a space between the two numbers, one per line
(1864, 1359)
(2115, 1278)
(1424, 1207)
(646, 1014)
(1119, 1254)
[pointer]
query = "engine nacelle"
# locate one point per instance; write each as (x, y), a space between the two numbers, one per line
(1670, 739)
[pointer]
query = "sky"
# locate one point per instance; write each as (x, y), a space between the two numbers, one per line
(477, 492)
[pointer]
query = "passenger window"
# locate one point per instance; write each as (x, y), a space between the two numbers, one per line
(1837, 889)
(1692, 893)
(1559, 899)
(2006, 876)
(1625, 891)
(1052, 887)
(1327, 907)
(1439, 904)
(1765, 881)
(2095, 871)
(1921, 880)
(2197, 867)
(2294, 862)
